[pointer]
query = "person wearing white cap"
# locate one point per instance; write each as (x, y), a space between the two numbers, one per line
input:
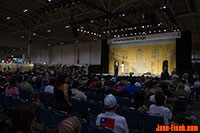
(110, 119)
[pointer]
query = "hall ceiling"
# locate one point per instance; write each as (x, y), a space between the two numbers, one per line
(71, 21)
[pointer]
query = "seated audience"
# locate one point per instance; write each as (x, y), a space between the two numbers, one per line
(77, 94)
(159, 109)
(50, 87)
(35, 98)
(23, 119)
(180, 92)
(131, 88)
(139, 101)
(110, 119)
(69, 125)
(123, 84)
(11, 89)
(25, 85)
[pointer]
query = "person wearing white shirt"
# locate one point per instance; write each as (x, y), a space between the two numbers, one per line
(77, 94)
(50, 87)
(159, 109)
(110, 119)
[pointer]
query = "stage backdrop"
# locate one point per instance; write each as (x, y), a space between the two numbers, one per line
(144, 54)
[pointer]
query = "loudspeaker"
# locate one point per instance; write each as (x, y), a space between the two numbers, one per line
(184, 53)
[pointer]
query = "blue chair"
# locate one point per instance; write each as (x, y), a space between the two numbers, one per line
(132, 118)
(125, 102)
(150, 122)
(96, 107)
(47, 117)
(80, 107)
(58, 117)
(97, 129)
(84, 127)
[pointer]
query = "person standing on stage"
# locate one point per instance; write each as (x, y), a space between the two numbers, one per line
(116, 68)
(122, 67)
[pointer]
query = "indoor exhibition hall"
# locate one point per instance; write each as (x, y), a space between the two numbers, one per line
(99, 66)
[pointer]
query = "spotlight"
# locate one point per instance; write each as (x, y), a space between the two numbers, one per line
(121, 29)
(178, 30)
(108, 31)
(22, 37)
(135, 28)
(126, 35)
(154, 31)
(159, 30)
(122, 34)
(139, 33)
(92, 21)
(126, 29)
(148, 26)
(85, 31)
(95, 34)
(99, 35)
(131, 34)
(78, 29)
(131, 28)
(104, 32)
(115, 30)
(81, 30)
(164, 7)
(88, 32)
(135, 33)
(115, 36)
(67, 26)
(159, 24)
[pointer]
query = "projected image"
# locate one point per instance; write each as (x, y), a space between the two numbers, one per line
(143, 58)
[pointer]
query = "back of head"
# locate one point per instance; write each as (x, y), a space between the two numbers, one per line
(69, 125)
(75, 84)
(160, 98)
(138, 98)
(110, 102)
(22, 119)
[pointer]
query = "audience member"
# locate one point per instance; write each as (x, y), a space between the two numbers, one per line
(25, 85)
(69, 125)
(11, 89)
(110, 119)
(23, 119)
(159, 108)
(50, 87)
(77, 94)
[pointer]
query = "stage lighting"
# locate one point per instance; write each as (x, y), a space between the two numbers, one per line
(115, 36)
(126, 29)
(85, 31)
(78, 29)
(108, 31)
(2, 61)
(121, 29)
(92, 21)
(135, 33)
(88, 32)
(99, 35)
(159, 30)
(115, 30)
(122, 35)
(164, 7)
(104, 32)
(22, 37)
(81, 30)
(131, 34)
(178, 30)
(135, 28)
(148, 26)
(131, 28)
(159, 24)
(126, 35)
(95, 34)
(111, 30)
(139, 33)
(154, 31)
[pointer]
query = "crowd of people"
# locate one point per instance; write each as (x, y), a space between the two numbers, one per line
(153, 95)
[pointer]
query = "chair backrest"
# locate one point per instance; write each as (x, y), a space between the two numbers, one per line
(96, 107)
(2, 99)
(132, 117)
(125, 102)
(47, 98)
(58, 117)
(84, 128)
(47, 117)
(80, 106)
(150, 122)
(97, 129)
(179, 107)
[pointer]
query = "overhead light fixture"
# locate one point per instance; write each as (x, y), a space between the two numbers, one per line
(95, 34)
(150, 32)
(115, 30)
(154, 31)
(104, 32)
(78, 29)
(99, 35)
(91, 33)
(85, 31)
(126, 35)
(25, 10)
(122, 29)
(147, 25)
(48, 31)
(159, 30)
(123, 15)
(135, 28)
(34, 34)
(131, 34)
(88, 32)
(164, 7)
(77, 41)
(49, 45)
(165, 30)
(8, 18)
(22, 37)
(135, 33)
(62, 43)
(92, 21)
(67, 26)
(159, 24)
(49, 0)
(142, 26)
(81, 30)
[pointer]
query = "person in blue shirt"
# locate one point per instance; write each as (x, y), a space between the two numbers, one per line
(131, 88)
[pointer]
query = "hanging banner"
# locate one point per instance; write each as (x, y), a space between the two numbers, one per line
(162, 36)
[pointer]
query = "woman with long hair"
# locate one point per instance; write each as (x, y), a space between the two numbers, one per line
(11, 89)
(23, 119)
(61, 93)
